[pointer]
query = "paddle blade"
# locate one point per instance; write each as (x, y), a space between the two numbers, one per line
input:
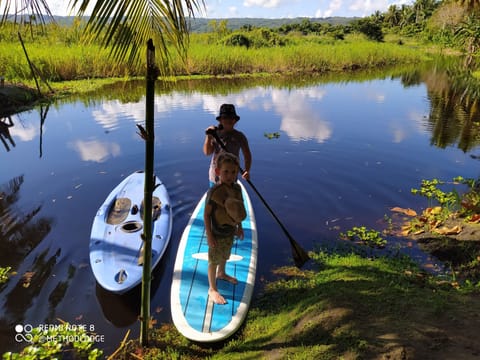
(300, 256)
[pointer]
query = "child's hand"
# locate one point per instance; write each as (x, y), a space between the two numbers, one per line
(212, 242)
(246, 175)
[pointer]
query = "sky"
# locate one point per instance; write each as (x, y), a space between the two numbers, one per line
(276, 8)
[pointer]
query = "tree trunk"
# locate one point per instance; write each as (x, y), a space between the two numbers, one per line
(152, 73)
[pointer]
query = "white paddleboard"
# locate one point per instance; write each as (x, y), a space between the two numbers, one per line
(115, 240)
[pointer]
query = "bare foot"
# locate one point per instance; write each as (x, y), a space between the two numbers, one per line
(217, 298)
(228, 278)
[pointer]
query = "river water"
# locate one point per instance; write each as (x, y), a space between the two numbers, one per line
(328, 154)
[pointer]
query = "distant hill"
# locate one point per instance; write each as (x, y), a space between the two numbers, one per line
(199, 25)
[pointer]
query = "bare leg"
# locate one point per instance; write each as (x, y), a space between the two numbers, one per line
(222, 275)
(217, 298)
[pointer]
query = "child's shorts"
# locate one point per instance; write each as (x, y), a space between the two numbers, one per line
(221, 252)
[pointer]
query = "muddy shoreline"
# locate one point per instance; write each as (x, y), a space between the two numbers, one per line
(17, 98)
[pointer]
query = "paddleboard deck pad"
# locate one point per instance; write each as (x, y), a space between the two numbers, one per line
(116, 245)
(194, 314)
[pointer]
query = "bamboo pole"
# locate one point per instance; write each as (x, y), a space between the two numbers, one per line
(149, 136)
(29, 64)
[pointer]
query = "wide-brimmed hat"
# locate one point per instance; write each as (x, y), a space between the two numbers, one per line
(235, 210)
(228, 110)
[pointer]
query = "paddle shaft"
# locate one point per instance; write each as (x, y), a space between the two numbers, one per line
(299, 255)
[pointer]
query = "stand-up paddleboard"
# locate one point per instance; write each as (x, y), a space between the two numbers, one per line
(116, 254)
(193, 313)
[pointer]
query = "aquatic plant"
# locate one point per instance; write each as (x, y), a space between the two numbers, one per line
(369, 237)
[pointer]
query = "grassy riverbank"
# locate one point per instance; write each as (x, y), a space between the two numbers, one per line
(62, 62)
(346, 306)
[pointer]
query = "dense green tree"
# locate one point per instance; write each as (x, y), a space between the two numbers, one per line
(393, 16)
(468, 34)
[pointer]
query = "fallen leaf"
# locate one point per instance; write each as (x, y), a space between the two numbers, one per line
(408, 212)
(475, 218)
(418, 232)
(405, 232)
(449, 231)
(435, 224)
(152, 323)
(27, 278)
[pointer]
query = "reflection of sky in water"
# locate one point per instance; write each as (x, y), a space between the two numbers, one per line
(25, 133)
(305, 114)
(346, 152)
(95, 150)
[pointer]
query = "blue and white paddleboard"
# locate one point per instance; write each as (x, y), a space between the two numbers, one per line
(115, 240)
(195, 315)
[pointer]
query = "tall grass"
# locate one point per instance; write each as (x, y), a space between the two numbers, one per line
(67, 58)
(303, 57)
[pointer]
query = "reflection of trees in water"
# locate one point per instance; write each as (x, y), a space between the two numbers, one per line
(454, 95)
(29, 286)
(19, 232)
(5, 124)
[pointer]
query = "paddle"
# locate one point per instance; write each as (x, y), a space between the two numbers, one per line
(300, 256)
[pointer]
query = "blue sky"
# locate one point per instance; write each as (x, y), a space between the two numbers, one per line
(277, 8)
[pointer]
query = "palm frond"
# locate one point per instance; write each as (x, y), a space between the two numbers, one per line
(126, 25)
(25, 11)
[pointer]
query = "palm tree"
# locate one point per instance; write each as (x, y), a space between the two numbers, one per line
(468, 34)
(24, 10)
(392, 17)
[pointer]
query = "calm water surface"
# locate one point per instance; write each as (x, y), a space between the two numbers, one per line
(346, 153)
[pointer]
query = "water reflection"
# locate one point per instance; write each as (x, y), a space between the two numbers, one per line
(300, 121)
(349, 149)
(454, 96)
(21, 230)
(5, 136)
(29, 286)
(94, 150)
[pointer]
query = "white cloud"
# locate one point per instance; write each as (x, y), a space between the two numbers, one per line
(262, 3)
(332, 8)
(365, 8)
(94, 150)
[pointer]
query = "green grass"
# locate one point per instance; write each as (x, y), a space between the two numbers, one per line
(339, 309)
(65, 60)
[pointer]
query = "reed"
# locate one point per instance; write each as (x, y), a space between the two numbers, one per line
(304, 57)
(69, 60)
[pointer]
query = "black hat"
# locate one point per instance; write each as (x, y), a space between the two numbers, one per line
(228, 110)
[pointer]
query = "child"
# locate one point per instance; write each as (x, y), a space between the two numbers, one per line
(233, 140)
(224, 212)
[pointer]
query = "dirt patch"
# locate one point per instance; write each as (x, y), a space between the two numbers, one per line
(16, 98)
(460, 252)
(451, 335)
